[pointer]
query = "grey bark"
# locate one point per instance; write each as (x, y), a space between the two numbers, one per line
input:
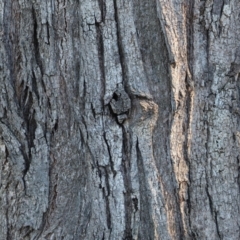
(119, 119)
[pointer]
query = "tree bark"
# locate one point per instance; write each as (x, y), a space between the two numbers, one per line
(119, 119)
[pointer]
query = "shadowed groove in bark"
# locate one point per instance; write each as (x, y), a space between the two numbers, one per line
(100, 45)
(146, 230)
(36, 40)
(213, 211)
(186, 145)
(110, 155)
(120, 45)
(106, 195)
(102, 6)
(127, 183)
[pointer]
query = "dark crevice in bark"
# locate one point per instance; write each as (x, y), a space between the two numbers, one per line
(213, 211)
(103, 171)
(30, 124)
(48, 33)
(135, 203)
(108, 212)
(36, 41)
(208, 135)
(141, 97)
(99, 174)
(93, 111)
(210, 201)
(217, 7)
(103, 237)
(220, 25)
(43, 224)
(84, 122)
(54, 195)
(127, 183)
(186, 128)
(190, 31)
(55, 127)
(77, 70)
(100, 44)
(207, 35)
(217, 226)
(146, 230)
(110, 155)
(102, 6)
(27, 162)
(84, 89)
(106, 196)
(120, 48)
(65, 18)
(238, 178)
(9, 237)
(34, 85)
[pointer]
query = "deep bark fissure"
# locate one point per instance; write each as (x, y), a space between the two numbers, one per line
(127, 183)
(186, 129)
(106, 195)
(27, 162)
(7, 219)
(110, 155)
(210, 200)
(120, 48)
(238, 162)
(102, 6)
(190, 37)
(213, 211)
(217, 226)
(34, 85)
(31, 125)
(147, 228)
(101, 56)
(48, 33)
(36, 41)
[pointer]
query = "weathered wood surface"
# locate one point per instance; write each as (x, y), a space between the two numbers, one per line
(119, 119)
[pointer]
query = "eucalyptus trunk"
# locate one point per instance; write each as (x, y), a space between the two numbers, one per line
(119, 119)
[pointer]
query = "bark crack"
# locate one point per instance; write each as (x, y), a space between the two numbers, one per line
(119, 43)
(36, 42)
(48, 33)
(127, 183)
(100, 44)
(102, 6)
(110, 154)
(213, 211)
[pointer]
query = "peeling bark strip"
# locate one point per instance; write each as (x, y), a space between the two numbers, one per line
(119, 119)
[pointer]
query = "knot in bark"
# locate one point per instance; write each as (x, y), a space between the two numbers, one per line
(120, 102)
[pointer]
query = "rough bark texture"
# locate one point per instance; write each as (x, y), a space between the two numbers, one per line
(119, 119)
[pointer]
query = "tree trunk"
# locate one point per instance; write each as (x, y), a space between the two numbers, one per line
(119, 119)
